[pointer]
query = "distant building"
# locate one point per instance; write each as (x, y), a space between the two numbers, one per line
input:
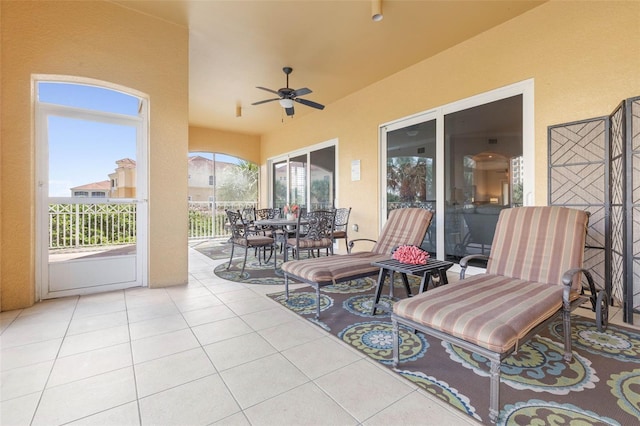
(121, 183)
(202, 177)
(96, 189)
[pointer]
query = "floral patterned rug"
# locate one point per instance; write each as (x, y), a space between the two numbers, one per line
(601, 385)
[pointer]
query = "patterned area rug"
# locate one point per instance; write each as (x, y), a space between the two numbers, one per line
(600, 386)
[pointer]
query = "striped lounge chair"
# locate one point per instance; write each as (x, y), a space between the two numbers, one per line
(533, 275)
(404, 226)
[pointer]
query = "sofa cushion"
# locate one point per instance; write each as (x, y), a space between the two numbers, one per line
(491, 311)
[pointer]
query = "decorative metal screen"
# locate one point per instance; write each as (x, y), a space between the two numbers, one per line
(578, 178)
(617, 189)
(632, 293)
(595, 165)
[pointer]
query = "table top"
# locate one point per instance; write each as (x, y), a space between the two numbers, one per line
(407, 268)
(278, 222)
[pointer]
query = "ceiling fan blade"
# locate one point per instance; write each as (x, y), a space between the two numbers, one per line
(289, 111)
(265, 101)
(268, 90)
(309, 103)
(301, 92)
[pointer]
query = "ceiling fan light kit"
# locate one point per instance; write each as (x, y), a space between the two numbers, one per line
(287, 96)
(376, 10)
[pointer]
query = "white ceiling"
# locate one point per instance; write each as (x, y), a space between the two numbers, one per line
(334, 48)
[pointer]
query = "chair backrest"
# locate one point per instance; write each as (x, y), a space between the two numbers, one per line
(236, 223)
(248, 214)
(404, 226)
(539, 243)
(268, 213)
(342, 219)
(319, 224)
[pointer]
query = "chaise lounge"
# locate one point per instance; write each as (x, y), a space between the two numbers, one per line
(404, 226)
(533, 275)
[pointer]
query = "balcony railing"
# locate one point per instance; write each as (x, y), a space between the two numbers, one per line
(74, 226)
(207, 219)
(90, 225)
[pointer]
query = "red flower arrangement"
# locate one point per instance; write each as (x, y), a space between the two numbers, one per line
(411, 255)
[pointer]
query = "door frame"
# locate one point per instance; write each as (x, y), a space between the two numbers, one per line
(40, 113)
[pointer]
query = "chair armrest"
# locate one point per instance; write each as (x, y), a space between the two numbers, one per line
(352, 242)
(465, 260)
(567, 280)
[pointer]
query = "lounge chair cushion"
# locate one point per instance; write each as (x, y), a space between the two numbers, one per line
(329, 269)
(542, 251)
(491, 311)
(405, 226)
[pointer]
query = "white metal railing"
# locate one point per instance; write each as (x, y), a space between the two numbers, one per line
(89, 225)
(207, 218)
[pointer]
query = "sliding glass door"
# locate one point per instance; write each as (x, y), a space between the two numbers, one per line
(465, 161)
(306, 178)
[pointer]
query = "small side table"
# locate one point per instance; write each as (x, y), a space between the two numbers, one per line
(426, 271)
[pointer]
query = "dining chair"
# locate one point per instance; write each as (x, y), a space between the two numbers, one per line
(314, 232)
(340, 227)
(246, 237)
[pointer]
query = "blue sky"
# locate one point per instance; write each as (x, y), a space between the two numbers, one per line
(83, 152)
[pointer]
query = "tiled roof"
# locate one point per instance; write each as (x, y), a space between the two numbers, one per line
(105, 185)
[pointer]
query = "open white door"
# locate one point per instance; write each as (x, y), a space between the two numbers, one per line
(91, 189)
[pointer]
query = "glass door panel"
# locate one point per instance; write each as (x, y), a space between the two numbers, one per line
(323, 178)
(411, 171)
(298, 180)
(483, 173)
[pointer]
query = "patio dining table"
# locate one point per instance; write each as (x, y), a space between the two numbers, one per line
(275, 224)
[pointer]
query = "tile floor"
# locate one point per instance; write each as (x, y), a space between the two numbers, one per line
(210, 352)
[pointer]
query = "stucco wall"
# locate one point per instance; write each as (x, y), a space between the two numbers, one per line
(583, 56)
(103, 41)
(239, 145)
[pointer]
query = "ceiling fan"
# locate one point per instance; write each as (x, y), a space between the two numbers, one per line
(288, 96)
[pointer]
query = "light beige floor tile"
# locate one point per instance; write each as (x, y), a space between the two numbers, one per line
(41, 316)
(123, 415)
(86, 397)
(193, 303)
(349, 384)
(207, 315)
(24, 380)
(20, 356)
(18, 335)
(144, 313)
(87, 364)
(417, 409)
(173, 370)
(19, 411)
(250, 305)
(304, 404)
(94, 340)
(221, 330)
(153, 327)
(238, 419)
(236, 295)
(63, 303)
(85, 324)
(90, 309)
(238, 350)
(189, 291)
(321, 356)
(293, 333)
(259, 380)
(200, 402)
(219, 287)
(162, 345)
(269, 318)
